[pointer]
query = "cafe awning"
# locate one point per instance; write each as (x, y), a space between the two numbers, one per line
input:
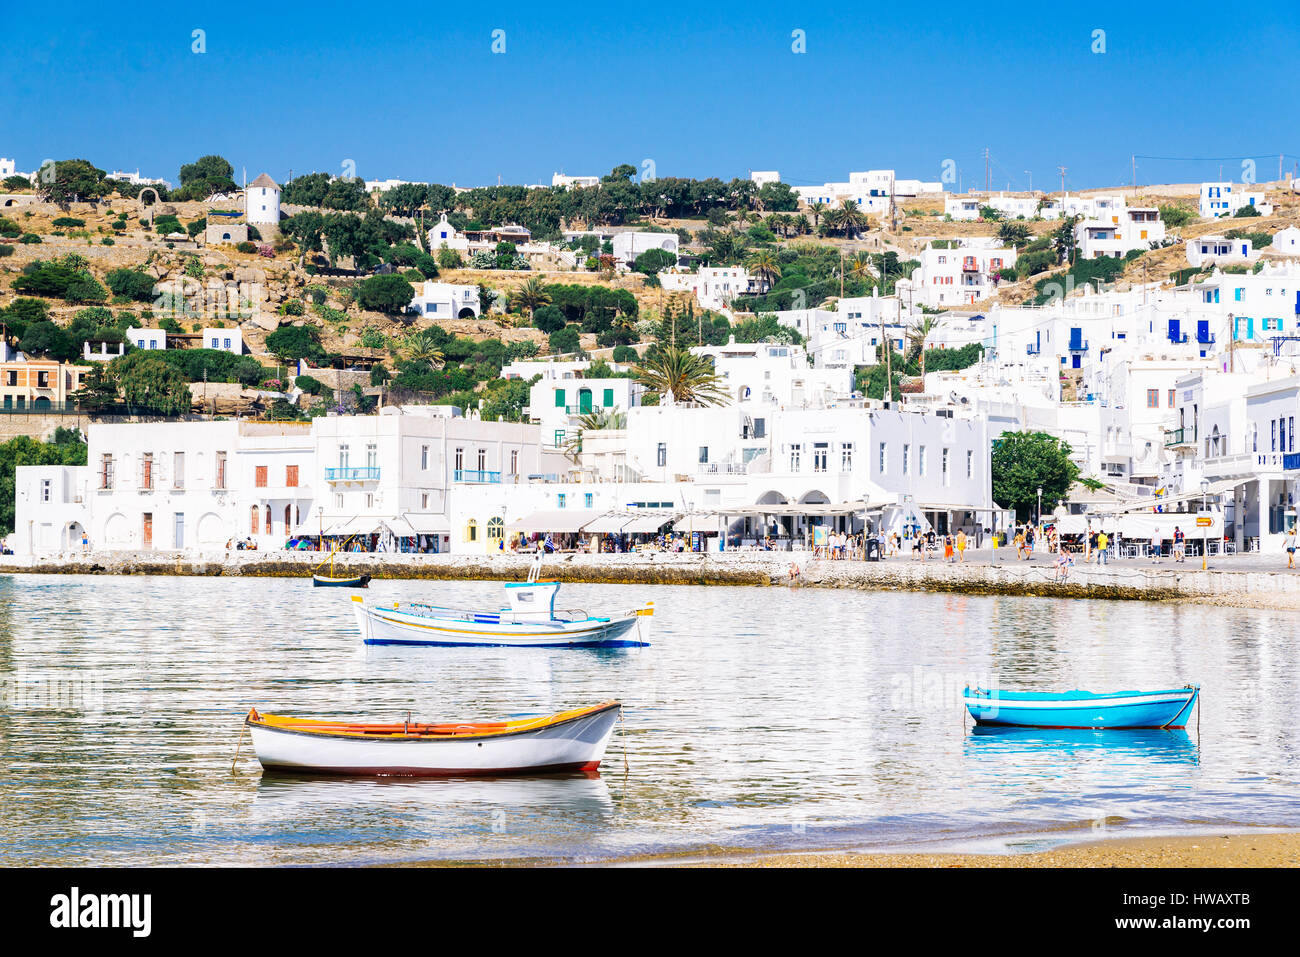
(554, 520)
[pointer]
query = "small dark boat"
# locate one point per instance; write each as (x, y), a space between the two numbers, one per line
(351, 581)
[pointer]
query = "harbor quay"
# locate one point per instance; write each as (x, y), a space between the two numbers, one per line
(1250, 580)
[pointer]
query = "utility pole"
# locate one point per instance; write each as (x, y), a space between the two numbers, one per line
(841, 274)
(1062, 170)
(1135, 174)
(1232, 344)
(988, 185)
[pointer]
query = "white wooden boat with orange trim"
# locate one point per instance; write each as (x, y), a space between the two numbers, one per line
(569, 741)
(529, 620)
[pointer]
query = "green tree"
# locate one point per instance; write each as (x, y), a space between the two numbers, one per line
(652, 261)
(47, 339)
(1177, 214)
(291, 343)
(151, 384)
(135, 284)
(71, 181)
(549, 319)
(564, 340)
(390, 293)
(1013, 234)
(531, 295)
(424, 345)
(205, 176)
(1024, 462)
(67, 449)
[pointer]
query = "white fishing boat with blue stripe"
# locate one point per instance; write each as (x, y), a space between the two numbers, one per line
(1082, 709)
(530, 619)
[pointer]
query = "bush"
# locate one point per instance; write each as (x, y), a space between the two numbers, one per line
(391, 294)
(30, 239)
(372, 338)
(653, 260)
(9, 229)
(246, 247)
(549, 319)
(625, 354)
(64, 222)
(564, 340)
(291, 307)
(449, 258)
(6, 250)
(106, 241)
(134, 284)
(311, 386)
(296, 342)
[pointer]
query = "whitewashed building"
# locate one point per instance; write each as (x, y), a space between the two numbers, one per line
(1227, 199)
(714, 287)
(441, 300)
(1125, 230)
(959, 276)
(1220, 250)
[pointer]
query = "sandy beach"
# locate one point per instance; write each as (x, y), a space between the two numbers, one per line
(1263, 849)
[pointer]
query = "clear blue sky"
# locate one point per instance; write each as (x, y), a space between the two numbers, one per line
(414, 91)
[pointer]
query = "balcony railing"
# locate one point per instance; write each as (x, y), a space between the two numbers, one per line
(969, 264)
(1077, 345)
(1031, 350)
(477, 476)
(369, 473)
(1204, 338)
(1175, 339)
(1182, 436)
(723, 468)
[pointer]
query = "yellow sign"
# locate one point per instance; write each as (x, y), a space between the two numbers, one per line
(1203, 522)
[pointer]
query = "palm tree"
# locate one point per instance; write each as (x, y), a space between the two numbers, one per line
(765, 263)
(917, 334)
(861, 266)
(851, 218)
(597, 421)
(531, 295)
(422, 346)
(682, 376)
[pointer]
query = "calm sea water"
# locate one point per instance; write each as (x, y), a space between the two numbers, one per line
(772, 718)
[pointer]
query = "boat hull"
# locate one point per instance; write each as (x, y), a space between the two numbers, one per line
(384, 626)
(1082, 709)
(356, 581)
(574, 744)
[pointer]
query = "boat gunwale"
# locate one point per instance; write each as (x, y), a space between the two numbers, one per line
(314, 729)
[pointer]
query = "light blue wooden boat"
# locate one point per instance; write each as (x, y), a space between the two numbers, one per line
(1082, 709)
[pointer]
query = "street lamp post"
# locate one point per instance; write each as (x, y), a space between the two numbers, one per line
(1039, 518)
(1205, 529)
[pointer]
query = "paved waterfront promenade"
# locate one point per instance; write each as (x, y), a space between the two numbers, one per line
(1252, 580)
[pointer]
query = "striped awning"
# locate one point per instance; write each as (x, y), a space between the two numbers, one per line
(554, 520)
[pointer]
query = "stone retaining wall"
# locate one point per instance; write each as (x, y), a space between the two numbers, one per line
(1254, 588)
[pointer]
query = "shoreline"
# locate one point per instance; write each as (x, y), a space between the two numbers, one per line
(1250, 587)
(1263, 848)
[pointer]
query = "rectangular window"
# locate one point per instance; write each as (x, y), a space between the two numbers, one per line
(587, 499)
(372, 455)
(609, 398)
(178, 470)
(920, 461)
(1290, 429)
(795, 451)
(424, 500)
(221, 470)
(820, 452)
(424, 457)
(338, 500)
(846, 457)
(259, 476)
(1273, 423)
(1172, 392)
(970, 464)
(944, 466)
(661, 455)
(559, 500)
(460, 459)
(907, 459)
(884, 448)
(291, 476)
(760, 428)
(482, 460)
(514, 461)
(45, 490)
(559, 398)
(1153, 398)
(146, 471)
(704, 454)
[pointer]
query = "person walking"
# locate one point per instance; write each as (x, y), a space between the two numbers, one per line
(1102, 542)
(1290, 547)
(961, 546)
(1180, 545)
(1157, 543)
